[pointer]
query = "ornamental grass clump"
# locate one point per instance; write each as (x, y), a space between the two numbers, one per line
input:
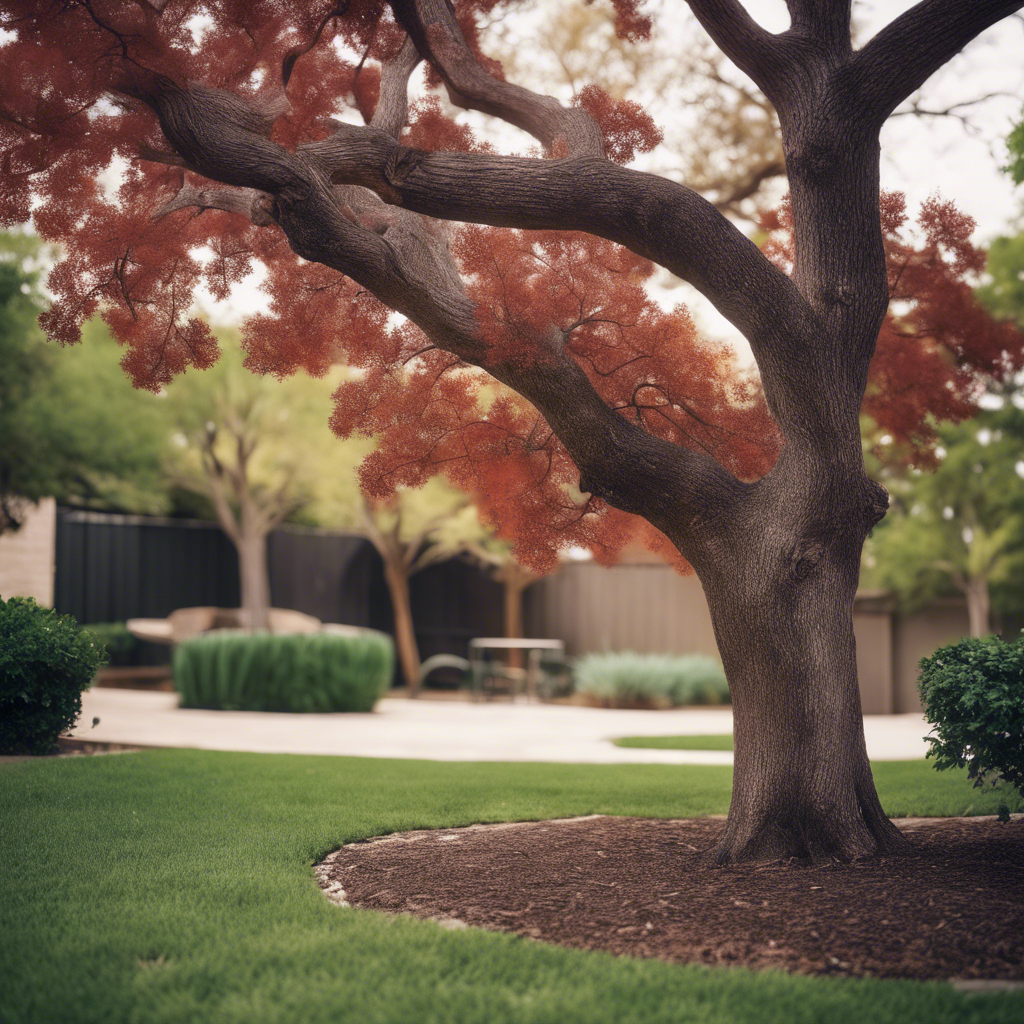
(46, 661)
(627, 679)
(311, 672)
(973, 693)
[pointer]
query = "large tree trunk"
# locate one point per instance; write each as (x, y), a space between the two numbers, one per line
(405, 634)
(255, 580)
(781, 602)
(979, 607)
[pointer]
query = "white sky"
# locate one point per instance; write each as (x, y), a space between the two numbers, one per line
(920, 155)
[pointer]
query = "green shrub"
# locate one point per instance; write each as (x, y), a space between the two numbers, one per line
(119, 642)
(973, 693)
(315, 672)
(626, 679)
(46, 662)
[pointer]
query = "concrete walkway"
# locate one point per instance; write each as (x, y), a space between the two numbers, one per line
(443, 730)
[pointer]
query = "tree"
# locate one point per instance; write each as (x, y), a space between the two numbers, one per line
(1003, 294)
(62, 420)
(238, 435)
(647, 420)
(415, 529)
(962, 524)
(497, 558)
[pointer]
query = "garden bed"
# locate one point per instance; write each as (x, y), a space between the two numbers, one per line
(946, 910)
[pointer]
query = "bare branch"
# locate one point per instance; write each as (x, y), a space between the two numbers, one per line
(249, 202)
(728, 198)
(393, 104)
(903, 55)
(438, 37)
(750, 47)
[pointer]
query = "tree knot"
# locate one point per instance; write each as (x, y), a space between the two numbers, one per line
(875, 503)
(400, 164)
(806, 554)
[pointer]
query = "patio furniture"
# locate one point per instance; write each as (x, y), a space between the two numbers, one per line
(485, 675)
(451, 664)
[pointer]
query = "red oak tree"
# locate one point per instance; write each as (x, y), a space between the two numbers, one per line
(222, 112)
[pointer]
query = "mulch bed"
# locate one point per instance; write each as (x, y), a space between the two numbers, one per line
(953, 907)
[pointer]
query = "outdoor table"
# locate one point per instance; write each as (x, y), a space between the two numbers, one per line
(534, 649)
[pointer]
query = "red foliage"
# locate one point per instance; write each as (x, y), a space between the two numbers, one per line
(938, 349)
(536, 293)
(626, 126)
(433, 413)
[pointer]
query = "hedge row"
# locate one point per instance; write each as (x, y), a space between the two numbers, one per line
(626, 679)
(311, 672)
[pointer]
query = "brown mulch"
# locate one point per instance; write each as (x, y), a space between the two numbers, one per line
(953, 907)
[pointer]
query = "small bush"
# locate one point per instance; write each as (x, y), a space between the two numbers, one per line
(973, 693)
(626, 679)
(116, 638)
(312, 672)
(46, 662)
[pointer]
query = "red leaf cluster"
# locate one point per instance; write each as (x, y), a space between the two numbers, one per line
(626, 126)
(541, 295)
(938, 349)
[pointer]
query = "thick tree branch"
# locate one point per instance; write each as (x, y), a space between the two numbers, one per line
(903, 55)
(751, 48)
(393, 103)
(825, 21)
(656, 218)
(437, 35)
(407, 266)
(247, 201)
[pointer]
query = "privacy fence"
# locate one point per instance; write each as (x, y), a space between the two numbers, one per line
(109, 568)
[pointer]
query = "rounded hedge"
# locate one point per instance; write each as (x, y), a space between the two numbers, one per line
(46, 661)
(973, 693)
(232, 670)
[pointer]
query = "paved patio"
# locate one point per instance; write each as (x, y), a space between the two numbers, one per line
(444, 730)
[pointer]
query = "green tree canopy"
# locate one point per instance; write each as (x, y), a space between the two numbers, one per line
(961, 527)
(63, 420)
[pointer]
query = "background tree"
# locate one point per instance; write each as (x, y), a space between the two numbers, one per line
(260, 449)
(497, 558)
(63, 419)
(1003, 293)
(629, 405)
(417, 528)
(240, 436)
(962, 525)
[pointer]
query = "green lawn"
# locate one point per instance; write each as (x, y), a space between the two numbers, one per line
(721, 741)
(175, 886)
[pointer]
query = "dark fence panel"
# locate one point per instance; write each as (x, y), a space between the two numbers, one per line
(451, 603)
(110, 568)
(335, 577)
(114, 567)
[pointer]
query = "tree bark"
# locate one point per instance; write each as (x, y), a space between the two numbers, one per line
(405, 635)
(979, 607)
(255, 579)
(780, 586)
